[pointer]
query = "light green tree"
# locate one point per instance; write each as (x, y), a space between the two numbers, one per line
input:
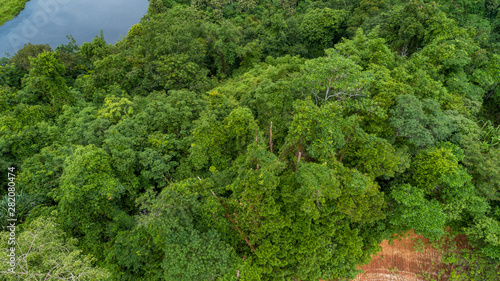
(43, 251)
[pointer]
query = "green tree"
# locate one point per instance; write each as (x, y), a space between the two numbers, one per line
(430, 165)
(180, 247)
(40, 176)
(22, 58)
(89, 198)
(45, 82)
(367, 50)
(23, 205)
(322, 28)
(43, 251)
(421, 123)
(334, 77)
(483, 167)
(413, 211)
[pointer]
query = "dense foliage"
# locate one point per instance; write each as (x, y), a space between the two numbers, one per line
(257, 140)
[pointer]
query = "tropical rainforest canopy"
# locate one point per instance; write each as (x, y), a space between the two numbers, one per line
(255, 140)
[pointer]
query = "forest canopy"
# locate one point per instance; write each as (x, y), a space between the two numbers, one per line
(255, 140)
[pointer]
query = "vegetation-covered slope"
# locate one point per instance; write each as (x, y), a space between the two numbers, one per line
(10, 8)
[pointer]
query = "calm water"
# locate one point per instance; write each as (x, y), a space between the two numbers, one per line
(49, 21)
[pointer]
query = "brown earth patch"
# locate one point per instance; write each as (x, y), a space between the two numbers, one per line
(407, 259)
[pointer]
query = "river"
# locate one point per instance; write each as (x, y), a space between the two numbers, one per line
(49, 21)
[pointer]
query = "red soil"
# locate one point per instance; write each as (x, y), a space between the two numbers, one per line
(400, 261)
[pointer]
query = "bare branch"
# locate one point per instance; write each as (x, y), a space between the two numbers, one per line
(48, 273)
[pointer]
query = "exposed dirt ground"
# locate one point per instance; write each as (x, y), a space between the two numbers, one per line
(400, 261)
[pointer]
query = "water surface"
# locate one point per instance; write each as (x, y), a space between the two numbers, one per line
(49, 21)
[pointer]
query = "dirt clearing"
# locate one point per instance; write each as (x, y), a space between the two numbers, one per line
(402, 261)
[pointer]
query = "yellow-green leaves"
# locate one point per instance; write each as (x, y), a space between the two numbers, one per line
(430, 165)
(217, 142)
(315, 132)
(115, 109)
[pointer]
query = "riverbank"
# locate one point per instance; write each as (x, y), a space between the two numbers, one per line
(10, 8)
(48, 22)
